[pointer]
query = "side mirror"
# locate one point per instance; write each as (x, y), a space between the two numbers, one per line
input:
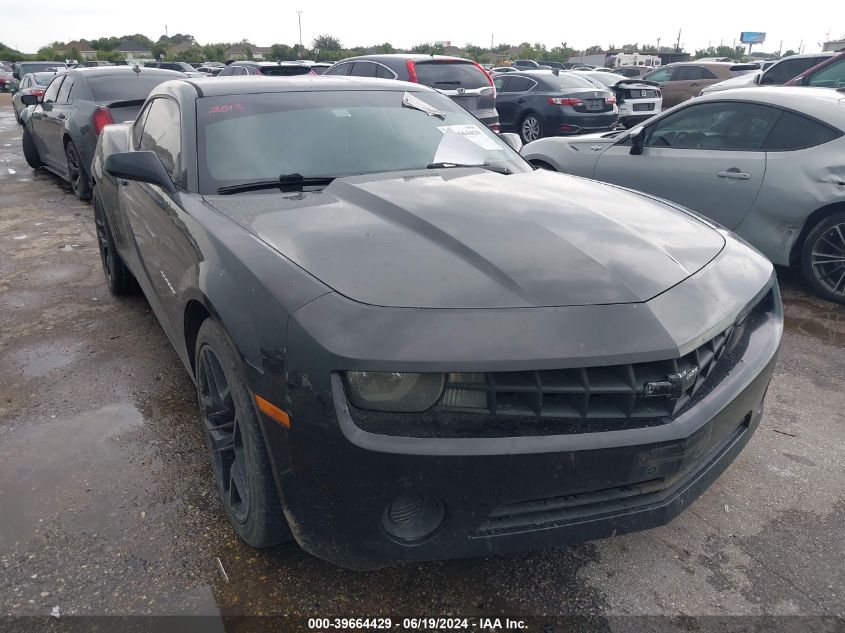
(513, 140)
(637, 142)
(758, 78)
(140, 167)
(29, 100)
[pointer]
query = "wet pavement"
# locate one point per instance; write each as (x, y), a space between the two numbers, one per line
(107, 504)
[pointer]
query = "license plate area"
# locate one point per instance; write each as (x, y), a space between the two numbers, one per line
(643, 107)
(594, 105)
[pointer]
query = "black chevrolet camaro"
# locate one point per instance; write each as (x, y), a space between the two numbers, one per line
(410, 345)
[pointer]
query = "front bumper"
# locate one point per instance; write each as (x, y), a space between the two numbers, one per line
(506, 494)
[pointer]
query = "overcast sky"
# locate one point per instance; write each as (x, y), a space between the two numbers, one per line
(30, 25)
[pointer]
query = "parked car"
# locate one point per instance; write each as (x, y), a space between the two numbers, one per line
(768, 163)
(385, 372)
(550, 103)
(184, 67)
(776, 73)
(265, 69)
(498, 70)
(558, 65)
(683, 80)
(62, 126)
(632, 71)
(527, 64)
(31, 84)
(320, 68)
(636, 99)
(211, 71)
(8, 83)
(463, 80)
(24, 68)
(827, 74)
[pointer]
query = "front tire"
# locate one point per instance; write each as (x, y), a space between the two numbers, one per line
(118, 278)
(531, 128)
(236, 446)
(76, 174)
(823, 258)
(30, 152)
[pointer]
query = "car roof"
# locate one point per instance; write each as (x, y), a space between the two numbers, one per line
(221, 86)
(412, 56)
(263, 64)
(825, 104)
(105, 71)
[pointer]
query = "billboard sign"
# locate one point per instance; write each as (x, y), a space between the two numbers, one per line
(752, 37)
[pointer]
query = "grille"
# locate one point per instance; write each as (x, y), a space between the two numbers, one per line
(611, 392)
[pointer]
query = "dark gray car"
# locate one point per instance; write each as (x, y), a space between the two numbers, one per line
(462, 80)
(408, 344)
(61, 127)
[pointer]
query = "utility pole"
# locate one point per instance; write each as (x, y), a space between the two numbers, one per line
(658, 44)
(165, 31)
(299, 19)
(678, 43)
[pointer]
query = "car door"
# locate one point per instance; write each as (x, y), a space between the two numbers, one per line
(54, 124)
(785, 70)
(154, 218)
(831, 76)
(706, 156)
(39, 123)
(511, 102)
(689, 80)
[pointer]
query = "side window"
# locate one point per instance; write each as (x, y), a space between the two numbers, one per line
(499, 82)
(363, 69)
(225, 72)
(24, 83)
(691, 73)
(53, 90)
(138, 127)
(832, 76)
(519, 84)
(663, 74)
(714, 126)
(162, 134)
(64, 92)
(340, 69)
(383, 72)
(780, 73)
(794, 131)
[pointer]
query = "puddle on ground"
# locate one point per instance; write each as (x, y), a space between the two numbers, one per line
(39, 360)
(67, 468)
(817, 318)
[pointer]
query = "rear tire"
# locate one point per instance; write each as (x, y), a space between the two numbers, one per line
(77, 175)
(530, 128)
(823, 258)
(118, 278)
(235, 442)
(30, 152)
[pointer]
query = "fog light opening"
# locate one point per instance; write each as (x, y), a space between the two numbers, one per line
(412, 518)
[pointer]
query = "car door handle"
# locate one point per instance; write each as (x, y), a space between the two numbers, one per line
(522, 100)
(734, 174)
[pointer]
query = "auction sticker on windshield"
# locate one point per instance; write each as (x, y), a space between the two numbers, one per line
(472, 133)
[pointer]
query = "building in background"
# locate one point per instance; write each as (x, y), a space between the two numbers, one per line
(834, 45)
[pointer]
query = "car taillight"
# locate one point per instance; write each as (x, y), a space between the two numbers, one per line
(101, 118)
(570, 101)
(412, 71)
(611, 100)
(495, 127)
(37, 93)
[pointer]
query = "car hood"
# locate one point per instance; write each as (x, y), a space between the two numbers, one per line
(469, 238)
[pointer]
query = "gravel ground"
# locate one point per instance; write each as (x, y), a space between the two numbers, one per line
(108, 508)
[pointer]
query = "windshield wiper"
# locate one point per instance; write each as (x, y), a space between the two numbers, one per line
(286, 182)
(488, 166)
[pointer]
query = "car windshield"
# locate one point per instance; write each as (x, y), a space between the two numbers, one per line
(568, 80)
(258, 137)
(441, 75)
(608, 79)
(128, 86)
(42, 79)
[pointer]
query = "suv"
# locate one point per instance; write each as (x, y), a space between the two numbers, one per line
(24, 68)
(462, 80)
(683, 80)
(527, 64)
(275, 69)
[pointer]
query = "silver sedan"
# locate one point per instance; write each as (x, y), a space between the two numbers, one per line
(768, 163)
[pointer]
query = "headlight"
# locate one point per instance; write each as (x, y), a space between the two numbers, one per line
(393, 391)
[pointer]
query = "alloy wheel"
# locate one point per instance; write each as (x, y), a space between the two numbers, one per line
(828, 259)
(530, 129)
(223, 432)
(73, 171)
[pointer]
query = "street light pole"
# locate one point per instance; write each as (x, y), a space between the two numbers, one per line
(299, 19)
